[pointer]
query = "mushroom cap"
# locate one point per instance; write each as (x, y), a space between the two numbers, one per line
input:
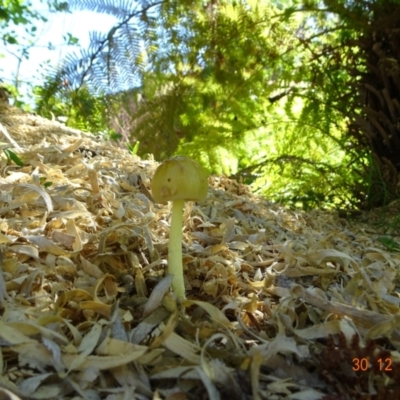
(179, 178)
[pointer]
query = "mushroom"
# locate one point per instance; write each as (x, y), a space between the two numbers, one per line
(178, 179)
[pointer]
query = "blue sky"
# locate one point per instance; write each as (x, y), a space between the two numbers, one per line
(79, 24)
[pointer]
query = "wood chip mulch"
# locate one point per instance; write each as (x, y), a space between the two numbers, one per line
(280, 304)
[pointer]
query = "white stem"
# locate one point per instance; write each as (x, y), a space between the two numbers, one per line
(175, 266)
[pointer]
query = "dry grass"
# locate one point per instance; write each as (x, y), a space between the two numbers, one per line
(280, 304)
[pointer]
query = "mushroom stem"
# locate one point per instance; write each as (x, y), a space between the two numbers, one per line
(175, 266)
(178, 179)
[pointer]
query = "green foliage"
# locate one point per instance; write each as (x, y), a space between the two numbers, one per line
(11, 156)
(133, 148)
(389, 243)
(199, 83)
(15, 11)
(82, 110)
(259, 90)
(20, 12)
(17, 42)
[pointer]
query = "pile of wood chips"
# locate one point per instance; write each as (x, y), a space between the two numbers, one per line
(280, 304)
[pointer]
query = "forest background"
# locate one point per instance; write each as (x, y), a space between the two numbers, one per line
(299, 99)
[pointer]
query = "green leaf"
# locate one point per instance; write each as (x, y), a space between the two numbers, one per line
(13, 157)
(70, 39)
(115, 136)
(10, 39)
(389, 243)
(4, 14)
(133, 148)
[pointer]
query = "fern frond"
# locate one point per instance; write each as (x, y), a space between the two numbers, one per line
(116, 8)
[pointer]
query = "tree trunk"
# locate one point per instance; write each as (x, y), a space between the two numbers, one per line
(380, 90)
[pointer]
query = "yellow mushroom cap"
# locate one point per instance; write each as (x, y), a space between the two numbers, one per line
(179, 178)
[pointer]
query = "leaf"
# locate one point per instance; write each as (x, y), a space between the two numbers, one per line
(389, 243)
(13, 157)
